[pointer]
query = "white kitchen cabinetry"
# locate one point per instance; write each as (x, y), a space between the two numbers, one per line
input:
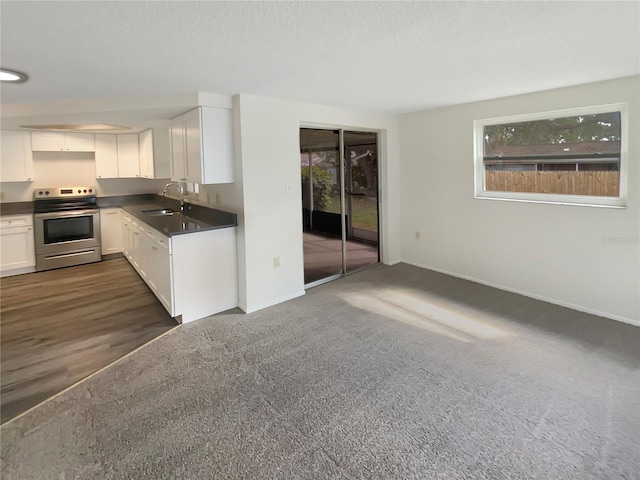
(178, 166)
(154, 153)
(17, 250)
(126, 235)
(111, 230)
(62, 142)
(128, 156)
(16, 163)
(106, 156)
(202, 146)
(192, 274)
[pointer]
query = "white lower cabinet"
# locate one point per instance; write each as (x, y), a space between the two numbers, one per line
(126, 235)
(111, 230)
(17, 249)
(192, 274)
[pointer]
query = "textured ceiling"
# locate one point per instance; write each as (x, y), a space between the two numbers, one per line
(389, 56)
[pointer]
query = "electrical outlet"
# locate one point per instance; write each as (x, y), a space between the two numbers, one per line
(417, 235)
(276, 262)
(208, 199)
(218, 198)
(1, 195)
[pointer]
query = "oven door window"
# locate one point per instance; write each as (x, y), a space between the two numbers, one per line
(69, 229)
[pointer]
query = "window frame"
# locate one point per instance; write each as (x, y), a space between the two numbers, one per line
(562, 199)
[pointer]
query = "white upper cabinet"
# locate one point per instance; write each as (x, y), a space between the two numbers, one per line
(178, 167)
(16, 162)
(145, 143)
(62, 142)
(106, 156)
(202, 146)
(154, 153)
(128, 156)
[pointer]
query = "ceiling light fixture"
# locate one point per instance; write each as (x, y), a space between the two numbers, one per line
(12, 76)
(77, 127)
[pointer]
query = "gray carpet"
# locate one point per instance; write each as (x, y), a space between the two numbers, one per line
(395, 372)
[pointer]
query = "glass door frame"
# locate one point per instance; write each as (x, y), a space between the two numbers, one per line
(341, 129)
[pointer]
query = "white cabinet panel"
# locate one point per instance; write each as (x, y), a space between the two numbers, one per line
(111, 230)
(126, 235)
(178, 167)
(154, 153)
(193, 146)
(202, 146)
(162, 262)
(128, 156)
(145, 143)
(16, 162)
(62, 142)
(79, 142)
(106, 156)
(17, 250)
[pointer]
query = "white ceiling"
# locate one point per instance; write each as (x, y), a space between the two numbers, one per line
(388, 56)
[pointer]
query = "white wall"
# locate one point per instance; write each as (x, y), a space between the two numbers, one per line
(553, 252)
(270, 162)
(57, 169)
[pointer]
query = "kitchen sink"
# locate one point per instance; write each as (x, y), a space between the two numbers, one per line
(159, 212)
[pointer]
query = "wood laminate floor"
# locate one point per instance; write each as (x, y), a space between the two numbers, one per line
(59, 326)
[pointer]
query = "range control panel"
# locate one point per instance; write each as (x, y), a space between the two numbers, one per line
(63, 192)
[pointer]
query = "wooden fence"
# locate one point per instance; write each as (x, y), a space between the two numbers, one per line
(599, 183)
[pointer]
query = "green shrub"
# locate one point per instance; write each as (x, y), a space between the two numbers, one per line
(322, 185)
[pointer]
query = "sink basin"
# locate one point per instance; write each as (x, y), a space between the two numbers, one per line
(160, 212)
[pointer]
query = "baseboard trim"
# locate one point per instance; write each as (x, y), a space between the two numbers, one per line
(572, 306)
(271, 304)
(17, 271)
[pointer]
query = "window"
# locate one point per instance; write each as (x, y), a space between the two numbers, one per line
(575, 156)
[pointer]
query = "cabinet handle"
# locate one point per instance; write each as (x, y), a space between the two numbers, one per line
(135, 233)
(154, 248)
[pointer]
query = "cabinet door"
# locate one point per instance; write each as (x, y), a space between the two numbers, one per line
(193, 146)
(145, 142)
(128, 156)
(150, 259)
(47, 142)
(16, 248)
(16, 162)
(106, 156)
(217, 145)
(111, 230)
(162, 262)
(135, 245)
(178, 171)
(126, 235)
(79, 142)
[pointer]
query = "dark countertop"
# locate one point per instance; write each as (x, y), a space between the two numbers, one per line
(196, 219)
(16, 208)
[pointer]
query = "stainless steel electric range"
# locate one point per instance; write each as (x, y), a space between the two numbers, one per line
(66, 227)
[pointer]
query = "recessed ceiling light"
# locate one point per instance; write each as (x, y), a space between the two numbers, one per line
(77, 126)
(12, 76)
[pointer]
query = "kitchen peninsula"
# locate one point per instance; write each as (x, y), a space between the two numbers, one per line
(188, 259)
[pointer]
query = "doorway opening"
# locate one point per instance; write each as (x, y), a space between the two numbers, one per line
(340, 202)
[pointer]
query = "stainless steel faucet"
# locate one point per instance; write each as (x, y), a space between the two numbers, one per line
(164, 192)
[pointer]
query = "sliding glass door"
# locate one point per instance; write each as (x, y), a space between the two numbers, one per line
(339, 172)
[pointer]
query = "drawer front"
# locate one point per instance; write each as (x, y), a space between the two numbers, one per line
(11, 221)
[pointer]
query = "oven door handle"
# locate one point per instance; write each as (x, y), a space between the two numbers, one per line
(68, 213)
